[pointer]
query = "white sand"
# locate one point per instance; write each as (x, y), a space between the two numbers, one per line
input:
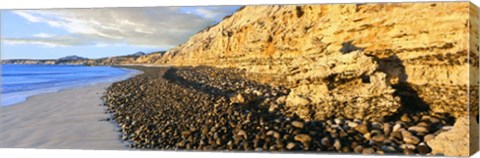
(68, 119)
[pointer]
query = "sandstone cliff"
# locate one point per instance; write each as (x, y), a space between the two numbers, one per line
(356, 60)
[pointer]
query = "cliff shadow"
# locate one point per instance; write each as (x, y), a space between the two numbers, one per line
(348, 47)
(172, 75)
(409, 98)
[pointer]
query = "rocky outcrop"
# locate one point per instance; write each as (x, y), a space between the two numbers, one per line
(415, 54)
(346, 85)
(455, 142)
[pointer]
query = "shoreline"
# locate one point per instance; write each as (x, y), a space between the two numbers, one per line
(69, 118)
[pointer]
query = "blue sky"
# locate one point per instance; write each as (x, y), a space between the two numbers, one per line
(103, 32)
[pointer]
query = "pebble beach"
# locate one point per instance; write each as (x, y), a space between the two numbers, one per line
(212, 109)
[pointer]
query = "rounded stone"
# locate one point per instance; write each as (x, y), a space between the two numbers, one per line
(325, 141)
(405, 118)
(387, 128)
(298, 124)
(338, 121)
(239, 98)
(396, 135)
(423, 148)
(362, 128)
(376, 125)
(368, 151)
(358, 149)
(242, 133)
(276, 135)
(408, 152)
(388, 149)
(411, 140)
(367, 136)
(397, 127)
(337, 145)
(352, 124)
(378, 138)
(407, 146)
(423, 124)
(291, 145)
(418, 129)
(377, 132)
(304, 138)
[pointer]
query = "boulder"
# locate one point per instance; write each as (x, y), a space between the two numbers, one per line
(454, 142)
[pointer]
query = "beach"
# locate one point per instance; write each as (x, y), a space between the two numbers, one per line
(202, 108)
(68, 119)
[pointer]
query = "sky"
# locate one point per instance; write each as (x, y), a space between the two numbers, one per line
(101, 32)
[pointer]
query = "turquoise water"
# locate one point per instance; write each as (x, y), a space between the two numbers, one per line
(22, 81)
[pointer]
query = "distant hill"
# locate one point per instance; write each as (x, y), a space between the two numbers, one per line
(73, 57)
(138, 54)
(136, 58)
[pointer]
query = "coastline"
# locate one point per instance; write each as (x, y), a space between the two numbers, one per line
(62, 120)
(70, 118)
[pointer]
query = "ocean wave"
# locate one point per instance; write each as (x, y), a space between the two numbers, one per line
(20, 81)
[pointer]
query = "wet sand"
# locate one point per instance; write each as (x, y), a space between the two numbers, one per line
(68, 119)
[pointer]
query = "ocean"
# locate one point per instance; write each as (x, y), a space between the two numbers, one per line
(22, 81)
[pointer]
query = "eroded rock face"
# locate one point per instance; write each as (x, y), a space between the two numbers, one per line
(421, 48)
(347, 85)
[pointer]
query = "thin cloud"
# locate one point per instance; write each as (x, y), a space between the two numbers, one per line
(102, 45)
(32, 42)
(53, 41)
(150, 27)
(43, 35)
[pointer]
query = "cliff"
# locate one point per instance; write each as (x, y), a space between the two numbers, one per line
(381, 57)
(354, 60)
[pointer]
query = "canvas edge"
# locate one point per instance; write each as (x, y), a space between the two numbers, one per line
(473, 88)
